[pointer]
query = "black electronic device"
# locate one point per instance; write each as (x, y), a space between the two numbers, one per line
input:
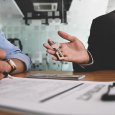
(107, 96)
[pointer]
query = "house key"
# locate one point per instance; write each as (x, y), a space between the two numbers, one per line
(55, 46)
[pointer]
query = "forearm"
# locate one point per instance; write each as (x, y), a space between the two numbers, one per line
(21, 59)
(9, 51)
(6, 67)
(20, 66)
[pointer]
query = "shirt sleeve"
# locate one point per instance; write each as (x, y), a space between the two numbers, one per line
(84, 67)
(91, 61)
(14, 52)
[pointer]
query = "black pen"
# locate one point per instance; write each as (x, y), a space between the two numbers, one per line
(6, 75)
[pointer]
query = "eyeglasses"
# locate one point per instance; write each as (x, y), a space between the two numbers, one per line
(107, 96)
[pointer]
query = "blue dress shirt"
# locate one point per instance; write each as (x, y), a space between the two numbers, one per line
(13, 51)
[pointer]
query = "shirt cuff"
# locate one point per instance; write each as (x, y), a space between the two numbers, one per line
(91, 61)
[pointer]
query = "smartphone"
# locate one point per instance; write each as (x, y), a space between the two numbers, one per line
(56, 76)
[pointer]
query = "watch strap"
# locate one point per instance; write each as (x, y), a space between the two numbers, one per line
(13, 67)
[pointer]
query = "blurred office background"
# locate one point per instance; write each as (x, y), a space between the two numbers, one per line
(32, 33)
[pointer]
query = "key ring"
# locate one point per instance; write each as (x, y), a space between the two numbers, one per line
(55, 46)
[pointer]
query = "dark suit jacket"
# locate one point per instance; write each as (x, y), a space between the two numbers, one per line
(101, 43)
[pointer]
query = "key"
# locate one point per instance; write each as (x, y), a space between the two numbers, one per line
(55, 46)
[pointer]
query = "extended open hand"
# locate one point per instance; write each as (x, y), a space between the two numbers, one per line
(73, 50)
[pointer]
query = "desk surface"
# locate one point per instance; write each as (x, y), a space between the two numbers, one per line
(108, 75)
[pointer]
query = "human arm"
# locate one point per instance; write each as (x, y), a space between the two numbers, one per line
(9, 51)
(101, 44)
(73, 50)
(6, 67)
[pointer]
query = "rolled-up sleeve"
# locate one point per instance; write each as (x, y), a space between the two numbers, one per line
(14, 52)
(18, 55)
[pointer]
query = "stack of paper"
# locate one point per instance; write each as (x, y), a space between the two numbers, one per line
(55, 97)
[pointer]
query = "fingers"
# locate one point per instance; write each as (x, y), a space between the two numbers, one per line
(54, 58)
(48, 45)
(58, 58)
(50, 42)
(50, 50)
(66, 36)
(2, 54)
(1, 76)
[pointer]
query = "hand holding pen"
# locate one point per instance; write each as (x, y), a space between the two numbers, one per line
(6, 68)
(3, 76)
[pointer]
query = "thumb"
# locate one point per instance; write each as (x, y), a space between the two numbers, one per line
(66, 36)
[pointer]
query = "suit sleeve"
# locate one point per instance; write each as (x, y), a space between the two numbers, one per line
(78, 67)
(94, 45)
(101, 44)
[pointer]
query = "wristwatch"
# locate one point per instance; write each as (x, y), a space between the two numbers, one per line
(13, 67)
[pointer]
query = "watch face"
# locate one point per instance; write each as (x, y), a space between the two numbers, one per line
(12, 64)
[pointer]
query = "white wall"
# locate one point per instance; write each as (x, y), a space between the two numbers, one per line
(80, 16)
(111, 6)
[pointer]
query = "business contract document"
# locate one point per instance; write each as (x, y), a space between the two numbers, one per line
(54, 97)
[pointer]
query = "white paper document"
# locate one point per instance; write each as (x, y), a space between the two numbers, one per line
(55, 97)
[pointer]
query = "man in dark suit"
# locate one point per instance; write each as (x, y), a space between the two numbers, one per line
(101, 43)
(101, 46)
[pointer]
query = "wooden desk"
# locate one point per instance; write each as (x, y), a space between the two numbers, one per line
(108, 75)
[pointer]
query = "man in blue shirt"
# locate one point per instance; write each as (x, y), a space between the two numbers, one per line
(12, 60)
